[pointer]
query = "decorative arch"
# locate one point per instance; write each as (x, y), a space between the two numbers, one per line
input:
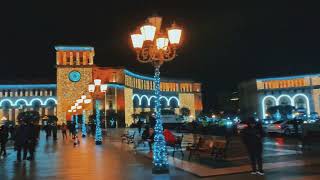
(143, 97)
(307, 101)
(286, 96)
(263, 104)
(167, 100)
(172, 99)
(50, 99)
(151, 103)
(6, 100)
(36, 99)
(135, 100)
(21, 100)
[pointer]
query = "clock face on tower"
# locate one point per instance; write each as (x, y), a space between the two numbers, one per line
(74, 76)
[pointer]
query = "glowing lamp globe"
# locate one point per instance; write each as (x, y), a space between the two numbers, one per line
(79, 107)
(103, 87)
(69, 111)
(148, 31)
(73, 107)
(79, 101)
(97, 82)
(174, 34)
(87, 101)
(74, 111)
(137, 40)
(91, 88)
(76, 104)
(83, 97)
(162, 43)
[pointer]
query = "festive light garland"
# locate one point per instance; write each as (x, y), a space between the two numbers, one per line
(160, 159)
(84, 129)
(98, 137)
(77, 125)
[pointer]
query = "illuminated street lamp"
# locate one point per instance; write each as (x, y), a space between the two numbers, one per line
(156, 47)
(94, 93)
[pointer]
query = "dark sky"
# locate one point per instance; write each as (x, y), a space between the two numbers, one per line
(225, 42)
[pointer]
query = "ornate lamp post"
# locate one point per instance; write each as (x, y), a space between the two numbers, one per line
(95, 94)
(156, 47)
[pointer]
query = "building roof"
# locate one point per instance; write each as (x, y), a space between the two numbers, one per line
(74, 48)
(288, 77)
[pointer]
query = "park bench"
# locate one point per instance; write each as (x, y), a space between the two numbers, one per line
(207, 146)
(128, 137)
(177, 145)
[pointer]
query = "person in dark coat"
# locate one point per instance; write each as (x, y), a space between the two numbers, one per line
(31, 141)
(20, 142)
(54, 131)
(3, 140)
(139, 124)
(252, 138)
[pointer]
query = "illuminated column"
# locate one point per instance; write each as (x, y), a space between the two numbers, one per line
(1, 93)
(27, 93)
(10, 114)
(55, 110)
(40, 111)
(64, 58)
(91, 58)
(78, 58)
(21, 93)
(16, 113)
(30, 92)
(36, 92)
(84, 58)
(50, 93)
(11, 94)
(41, 92)
(71, 57)
(46, 110)
(58, 58)
(16, 93)
(5, 93)
(45, 92)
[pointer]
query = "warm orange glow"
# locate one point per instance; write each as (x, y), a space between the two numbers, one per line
(162, 43)
(137, 40)
(148, 32)
(174, 35)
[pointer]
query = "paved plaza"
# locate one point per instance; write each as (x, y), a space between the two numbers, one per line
(117, 160)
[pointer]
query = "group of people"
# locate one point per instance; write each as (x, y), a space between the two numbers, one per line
(26, 139)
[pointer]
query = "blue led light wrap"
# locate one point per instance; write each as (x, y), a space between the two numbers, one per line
(77, 125)
(84, 129)
(129, 73)
(74, 48)
(160, 159)
(98, 137)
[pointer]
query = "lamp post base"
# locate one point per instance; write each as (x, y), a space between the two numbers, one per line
(98, 142)
(160, 170)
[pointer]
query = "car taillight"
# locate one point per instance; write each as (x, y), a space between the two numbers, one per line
(278, 126)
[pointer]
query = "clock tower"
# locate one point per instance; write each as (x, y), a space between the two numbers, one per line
(74, 74)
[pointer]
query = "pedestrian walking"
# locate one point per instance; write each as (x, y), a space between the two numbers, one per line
(31, 141)
(20, 141)
(3, 140)
(139, 124)
(64, 131)
(252, 137)
(54, 131)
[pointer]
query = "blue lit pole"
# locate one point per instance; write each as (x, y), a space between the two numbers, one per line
(160, 159)
(155, 47)
(84, 129)
(77, 125)
(98, 137)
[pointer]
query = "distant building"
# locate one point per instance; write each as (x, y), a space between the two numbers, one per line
(302, 92)
(128, 92)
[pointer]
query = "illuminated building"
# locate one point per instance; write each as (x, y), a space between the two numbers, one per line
(301, 92)
(127, 92)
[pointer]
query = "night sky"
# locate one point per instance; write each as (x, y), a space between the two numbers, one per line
(225, 42)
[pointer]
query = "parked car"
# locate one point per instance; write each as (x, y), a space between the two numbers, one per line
(285, 127)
